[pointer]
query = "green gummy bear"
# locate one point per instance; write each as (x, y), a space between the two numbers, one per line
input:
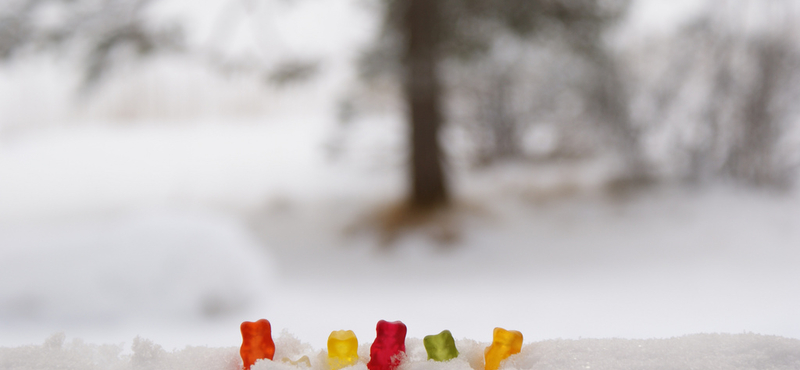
(441, 347)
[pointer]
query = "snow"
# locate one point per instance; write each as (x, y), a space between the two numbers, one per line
(700, 351)
(136, 263)
(147, 239)
(664, 264)
(660, 16)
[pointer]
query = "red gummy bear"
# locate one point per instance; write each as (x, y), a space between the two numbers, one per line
(257, 342)
(388, 345)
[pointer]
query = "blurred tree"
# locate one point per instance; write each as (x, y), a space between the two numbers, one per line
(420, 35)
(725, 92)
(102, 34)
(97, 30)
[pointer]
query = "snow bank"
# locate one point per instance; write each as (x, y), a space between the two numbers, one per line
(700, 351)
(168, 265)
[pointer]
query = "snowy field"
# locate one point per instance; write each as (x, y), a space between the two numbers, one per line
(179, 248)
(670, 263)
(174, 231)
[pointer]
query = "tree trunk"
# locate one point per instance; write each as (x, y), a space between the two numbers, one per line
(753, 157)
(423, 96)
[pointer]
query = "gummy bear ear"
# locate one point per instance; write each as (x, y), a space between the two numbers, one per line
(383, 327)
(263, 325)
(246, 327)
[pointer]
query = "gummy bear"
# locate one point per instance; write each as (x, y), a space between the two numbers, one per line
(441, 347)
(505, 344)
(388, 346)
(342, 349)
(305, 361)
(257, 342)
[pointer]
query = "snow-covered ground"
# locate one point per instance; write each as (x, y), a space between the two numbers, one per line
(700, 351)
(177, 230)
(159, 232)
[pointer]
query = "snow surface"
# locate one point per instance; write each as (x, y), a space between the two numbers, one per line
(700, 351)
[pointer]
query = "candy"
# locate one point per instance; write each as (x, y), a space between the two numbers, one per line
(305, 361)
(388, 346)
(257, 342)
(342, 349)
(505, 343)
(441, 347)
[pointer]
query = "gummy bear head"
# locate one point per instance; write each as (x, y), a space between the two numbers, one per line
(342, 343)
(258, 329)
(510, 339)
(441, 347)
(391, 332)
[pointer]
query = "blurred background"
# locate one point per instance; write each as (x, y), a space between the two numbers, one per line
(576, 168)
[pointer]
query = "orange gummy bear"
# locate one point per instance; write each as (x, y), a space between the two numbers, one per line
(504, 344)
(257, 342)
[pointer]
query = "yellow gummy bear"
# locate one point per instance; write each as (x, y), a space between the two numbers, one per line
(504, 344)
(342, 349)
